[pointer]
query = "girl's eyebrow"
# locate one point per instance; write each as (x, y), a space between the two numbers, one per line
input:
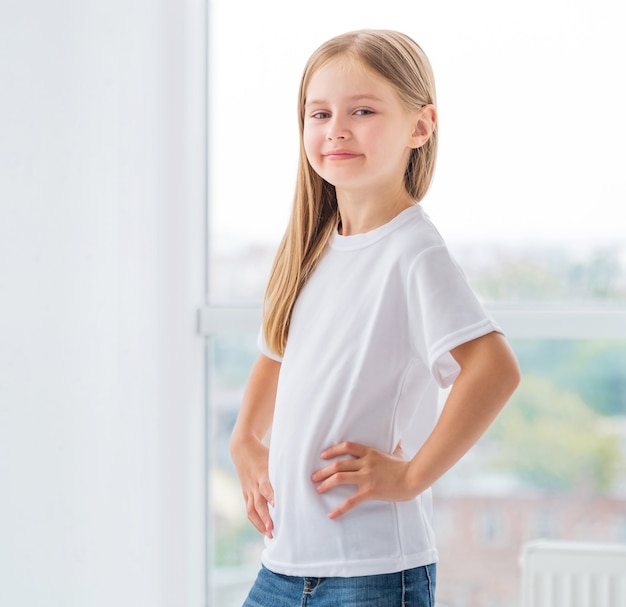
(361, 97)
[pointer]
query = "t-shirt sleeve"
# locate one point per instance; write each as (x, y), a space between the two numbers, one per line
(444, 312)
(264, 349)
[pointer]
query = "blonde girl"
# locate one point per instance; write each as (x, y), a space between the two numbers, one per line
(366, 317)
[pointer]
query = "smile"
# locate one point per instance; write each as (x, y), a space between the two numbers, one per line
(340, 155)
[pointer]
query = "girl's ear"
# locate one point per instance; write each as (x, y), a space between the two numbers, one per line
(425, 123)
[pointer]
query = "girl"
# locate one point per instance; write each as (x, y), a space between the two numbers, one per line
(365, 316)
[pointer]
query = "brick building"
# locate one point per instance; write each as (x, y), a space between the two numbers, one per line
(480, 538)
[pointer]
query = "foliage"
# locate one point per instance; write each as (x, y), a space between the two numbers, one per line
(593, 369)
(542, 274)
(551, 439)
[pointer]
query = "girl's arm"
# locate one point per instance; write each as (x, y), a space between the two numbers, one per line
(489, 375)
(249, 454)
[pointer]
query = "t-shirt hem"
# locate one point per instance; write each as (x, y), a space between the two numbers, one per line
(265, 350)
(479, 329)
(353, 568)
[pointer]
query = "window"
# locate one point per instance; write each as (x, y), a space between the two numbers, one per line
(527, 195)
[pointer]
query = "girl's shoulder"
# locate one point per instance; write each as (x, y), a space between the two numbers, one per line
(419, 234)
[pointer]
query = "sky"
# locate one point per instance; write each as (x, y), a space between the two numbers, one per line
(531, 103)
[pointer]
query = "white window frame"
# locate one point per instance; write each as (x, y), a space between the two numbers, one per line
(518, 321)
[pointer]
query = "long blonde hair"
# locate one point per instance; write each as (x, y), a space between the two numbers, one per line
(315, 215)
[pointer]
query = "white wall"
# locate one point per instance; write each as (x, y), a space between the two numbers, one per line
(101, 273)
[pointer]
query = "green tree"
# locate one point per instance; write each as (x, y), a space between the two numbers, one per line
(594, 369)
(548, 274)
(552, 440)
(596, 372)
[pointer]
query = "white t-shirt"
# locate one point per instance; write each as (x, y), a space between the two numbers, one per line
(369, 344)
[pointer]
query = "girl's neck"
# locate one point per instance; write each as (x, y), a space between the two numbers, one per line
(363, 212)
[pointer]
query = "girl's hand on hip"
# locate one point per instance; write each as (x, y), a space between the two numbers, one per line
(376, 475)
(251, 463)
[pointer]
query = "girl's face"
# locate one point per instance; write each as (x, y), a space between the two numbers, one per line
(357, 133)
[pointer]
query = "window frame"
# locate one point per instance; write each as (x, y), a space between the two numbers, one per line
(518, 321)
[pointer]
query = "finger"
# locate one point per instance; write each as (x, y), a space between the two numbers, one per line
(267, 492)
(344, 448)
(258, 514)
(348, 505)
(339, 466)
(253, 515)
(263, 512)
(341, 478)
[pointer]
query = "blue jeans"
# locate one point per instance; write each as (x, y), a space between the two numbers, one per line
(413, 588)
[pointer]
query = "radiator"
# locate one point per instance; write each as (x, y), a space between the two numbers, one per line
(573, 574)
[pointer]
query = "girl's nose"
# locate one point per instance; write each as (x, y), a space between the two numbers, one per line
(337, 130)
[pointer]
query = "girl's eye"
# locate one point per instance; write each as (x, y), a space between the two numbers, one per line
(321, 115)
(363, 112)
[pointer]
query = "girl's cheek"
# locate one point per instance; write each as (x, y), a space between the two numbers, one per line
(309, 147)
(307, 138)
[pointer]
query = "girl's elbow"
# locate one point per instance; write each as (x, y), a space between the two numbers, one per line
(515, 376)
(505, 367)
(510, 372)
